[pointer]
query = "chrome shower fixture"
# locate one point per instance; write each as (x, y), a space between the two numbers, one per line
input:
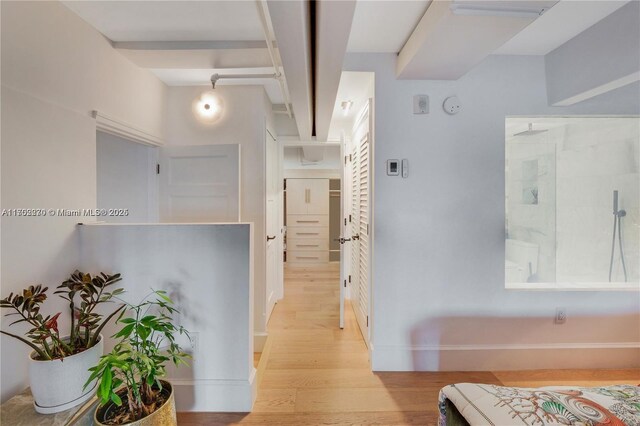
(617, 225)
(530, 131)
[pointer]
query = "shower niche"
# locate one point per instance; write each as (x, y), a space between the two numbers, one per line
(572, 202)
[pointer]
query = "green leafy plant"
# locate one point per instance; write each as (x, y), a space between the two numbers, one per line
(130, 374)
(84, 294)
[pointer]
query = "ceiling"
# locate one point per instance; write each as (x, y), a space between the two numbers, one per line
(384, 26)
(184, 42)
(171, 20)
(560, 24)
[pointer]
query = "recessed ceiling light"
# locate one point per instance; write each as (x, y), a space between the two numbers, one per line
(346, 106)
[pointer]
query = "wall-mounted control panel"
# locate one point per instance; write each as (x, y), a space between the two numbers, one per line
(398, 168)
(393, 167)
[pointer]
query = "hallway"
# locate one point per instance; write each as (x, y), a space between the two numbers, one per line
(313, 373)
(321, 374)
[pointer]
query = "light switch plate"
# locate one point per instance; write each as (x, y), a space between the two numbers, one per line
(421, 104)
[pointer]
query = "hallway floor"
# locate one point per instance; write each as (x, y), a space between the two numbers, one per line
(313, 373)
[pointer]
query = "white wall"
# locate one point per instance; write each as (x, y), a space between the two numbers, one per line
(55, 70)
(206, 270)
(245, 115)
(439, 301)
(126, 179)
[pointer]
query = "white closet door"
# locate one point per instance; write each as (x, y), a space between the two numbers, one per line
(296, 197)
(200, 183)
(363, 213)
(317, 196)
(360, 226)
(355, 242)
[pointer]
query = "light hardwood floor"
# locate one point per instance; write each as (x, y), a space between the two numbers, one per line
(313, 373)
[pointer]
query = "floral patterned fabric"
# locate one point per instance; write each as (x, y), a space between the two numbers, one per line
(482, 404)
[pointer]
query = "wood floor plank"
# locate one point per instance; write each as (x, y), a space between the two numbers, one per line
(363, 399)
(318, 360)
(275, 400)
(539, 378)
(311, 419)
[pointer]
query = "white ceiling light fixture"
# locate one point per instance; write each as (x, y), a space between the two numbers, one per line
(208, 107)
(215, 77)
(346, 106)
(470, 9)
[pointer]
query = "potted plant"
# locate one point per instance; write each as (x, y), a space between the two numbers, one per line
(58, 363)
(131, 390)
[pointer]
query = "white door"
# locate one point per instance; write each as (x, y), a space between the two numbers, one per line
(126, 178)
(317, 196)
(200, 183)
(358, 225)
(308, 196)
(274, 236)
(345, 231)
(297, 191)
(361, 237)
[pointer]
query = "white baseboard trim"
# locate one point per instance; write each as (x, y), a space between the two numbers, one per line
(259, 339)
(496, 357)
(216, 395)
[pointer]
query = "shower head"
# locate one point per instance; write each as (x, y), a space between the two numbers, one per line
(530, 131)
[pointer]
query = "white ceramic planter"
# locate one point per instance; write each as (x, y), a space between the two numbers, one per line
(57, 385)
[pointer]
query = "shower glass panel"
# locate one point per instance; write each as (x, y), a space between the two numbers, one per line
(562, 223)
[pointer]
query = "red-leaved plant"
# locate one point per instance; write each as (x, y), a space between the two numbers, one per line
(84, 294)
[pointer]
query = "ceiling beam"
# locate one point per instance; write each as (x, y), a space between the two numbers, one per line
(333, 27)
(198, 58)
(291, 21)
(454, 36)
(190, 45)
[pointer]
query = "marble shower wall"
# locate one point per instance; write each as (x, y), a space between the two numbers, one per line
(531, 203)
(567, 207)
(596, 156)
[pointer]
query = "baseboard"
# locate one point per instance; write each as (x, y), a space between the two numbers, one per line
(259, 340)
(216, 395)
(499, 357)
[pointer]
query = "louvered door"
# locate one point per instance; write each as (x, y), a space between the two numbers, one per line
(355, 243)
(359, 206)
(362, 230)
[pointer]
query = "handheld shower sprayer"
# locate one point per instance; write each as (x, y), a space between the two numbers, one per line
(617, 224)
(616, 212)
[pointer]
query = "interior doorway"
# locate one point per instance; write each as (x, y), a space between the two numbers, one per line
(126, 179)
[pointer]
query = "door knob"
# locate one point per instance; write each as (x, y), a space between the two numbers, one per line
(356, 237)
(342, 240)
(271, 238)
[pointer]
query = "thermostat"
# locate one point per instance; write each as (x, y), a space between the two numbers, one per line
(393, 167)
